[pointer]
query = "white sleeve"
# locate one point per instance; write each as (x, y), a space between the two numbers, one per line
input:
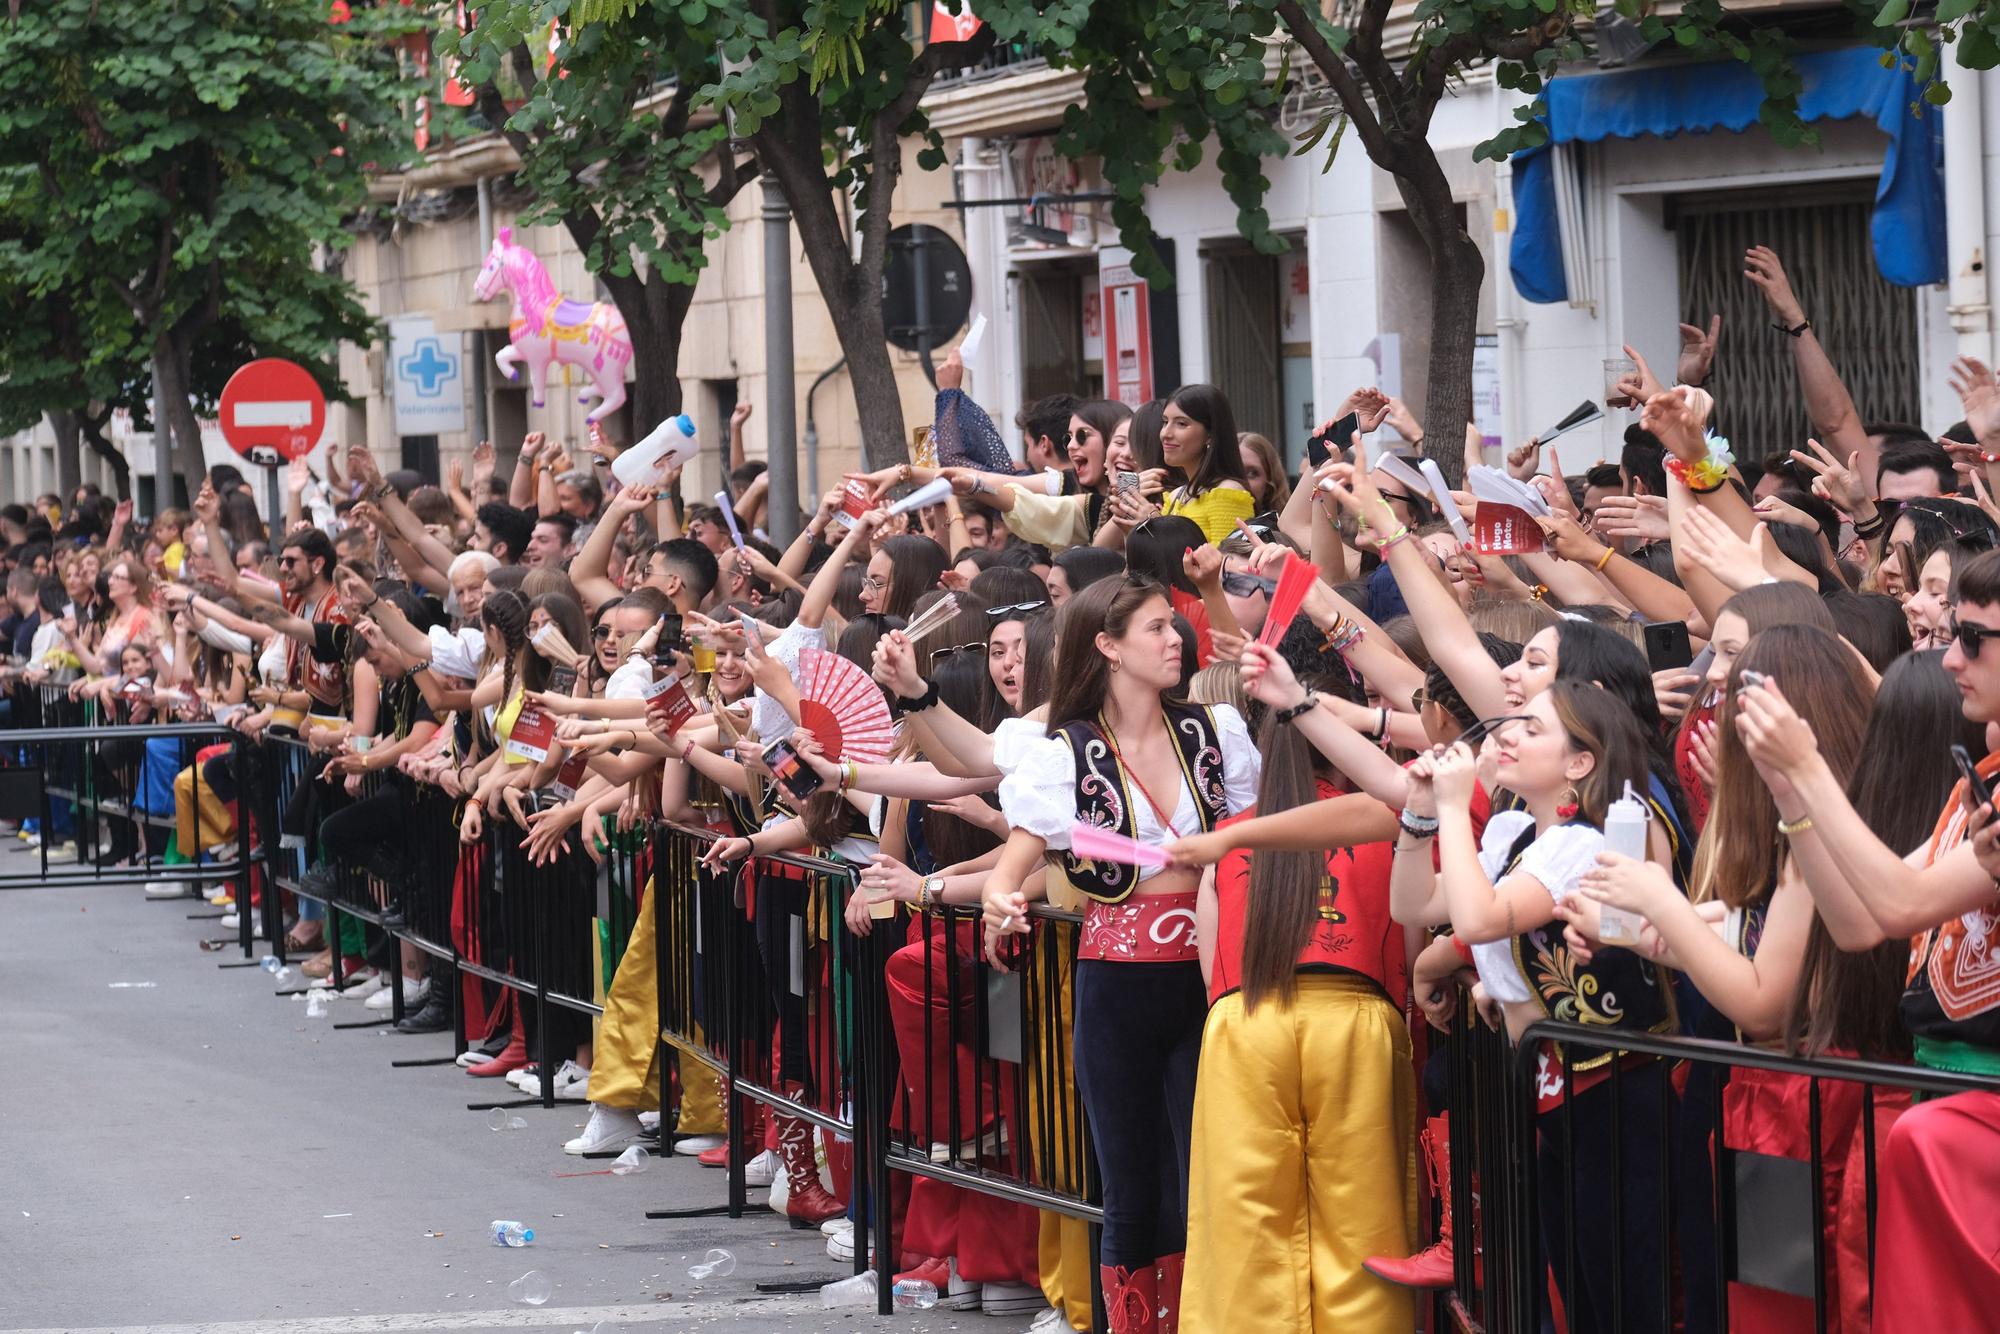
(1242, 762)
(457, 653)
(769, 716)
(630, 680)
(217, 635)
(1498, 840)
(1559, 858)
(1037, 783)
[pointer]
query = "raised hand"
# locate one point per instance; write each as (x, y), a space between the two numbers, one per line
(1835, 482)
(1203, 565)
(1779, 741)
(1671, 419)
(1674, 688)
(1640, 517)
(1567, 538)
(1767, 275)
(1980, 398)
(1524, 461)
(297, 476)
(482, 463)
(361, 466)
(1268, 678)
(1697, 351)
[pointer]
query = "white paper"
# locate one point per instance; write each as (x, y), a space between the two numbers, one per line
(1446, 505)
(1496, 486)
(968, 351)
(930, 493)
(1398, 467)
(729, 517)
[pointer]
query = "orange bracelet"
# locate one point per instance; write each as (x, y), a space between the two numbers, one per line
(1605, 559)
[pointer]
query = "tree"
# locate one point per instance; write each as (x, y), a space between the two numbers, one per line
(175, 178)
(611, 144)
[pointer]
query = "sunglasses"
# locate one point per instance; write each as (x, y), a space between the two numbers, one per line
(1479, 731)
(1081, 435)
(600, 632)
(1971, 638)
(1001, 613)
(940, 653)
(1248, 585)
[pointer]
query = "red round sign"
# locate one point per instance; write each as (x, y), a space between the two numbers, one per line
(272, 411)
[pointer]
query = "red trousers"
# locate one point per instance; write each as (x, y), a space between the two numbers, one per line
(1937, 1235)
(994, 1240)
(1765, 1112)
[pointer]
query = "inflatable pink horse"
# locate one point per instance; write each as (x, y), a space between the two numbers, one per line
(545, 329)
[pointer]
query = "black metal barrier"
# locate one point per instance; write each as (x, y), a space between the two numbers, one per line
(1681, 1181)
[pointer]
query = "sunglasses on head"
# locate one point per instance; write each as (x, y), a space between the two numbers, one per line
(1248, 585)
(949, 649)
(998, 613)
(1971, 638)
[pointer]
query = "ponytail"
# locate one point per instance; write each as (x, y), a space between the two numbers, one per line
(1283, 898)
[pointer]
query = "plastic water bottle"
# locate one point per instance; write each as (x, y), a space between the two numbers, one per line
(1624, 832)
(855, 1290)
(276, 968)
(531, 1289)
(499, 1119)
(913, 1294)
(718, 1263)
(507, 1232)
(632, 1160)
(647, 463)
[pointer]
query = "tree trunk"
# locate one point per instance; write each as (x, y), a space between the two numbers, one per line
(68, 428)
(1457, 270)
(173, 412)
(112, 457)
(656, 354)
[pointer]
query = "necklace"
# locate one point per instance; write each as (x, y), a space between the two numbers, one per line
(1159, 812)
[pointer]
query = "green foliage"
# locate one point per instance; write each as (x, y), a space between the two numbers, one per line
(181, 171)
(609, 129)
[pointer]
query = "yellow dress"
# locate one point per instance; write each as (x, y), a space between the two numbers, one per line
(1215, 511)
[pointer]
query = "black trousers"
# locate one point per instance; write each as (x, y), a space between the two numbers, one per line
(1138, 1038)
(1615, 1169)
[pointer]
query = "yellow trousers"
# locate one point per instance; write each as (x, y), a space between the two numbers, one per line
(1062, 1242)
(1304, 1164)
(625, 1068)
(200, 817)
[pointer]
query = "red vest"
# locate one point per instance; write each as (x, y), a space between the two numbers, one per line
(1354, 934)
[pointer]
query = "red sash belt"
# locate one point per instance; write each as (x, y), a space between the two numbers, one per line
(1150, 928)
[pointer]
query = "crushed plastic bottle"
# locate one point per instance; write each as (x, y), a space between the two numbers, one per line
(507, 1232)
(276, 968)
(500, 1119)
(531, 1289)
(857, 1290)
(634, 1159)
(718, 1263)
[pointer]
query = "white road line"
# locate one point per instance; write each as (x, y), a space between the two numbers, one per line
(514, 1317)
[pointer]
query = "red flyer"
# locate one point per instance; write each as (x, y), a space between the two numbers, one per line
(854, 503)
(668, 698)
(1502, 530)
(534, 732)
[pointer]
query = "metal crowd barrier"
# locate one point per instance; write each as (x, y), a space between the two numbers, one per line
(1771, 1213)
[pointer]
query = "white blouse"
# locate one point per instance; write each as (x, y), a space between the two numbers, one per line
(1557, 860)
(1038, 783)
(770, 717)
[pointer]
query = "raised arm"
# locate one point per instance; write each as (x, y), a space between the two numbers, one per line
(819, 594)
(590, 571)
(1828, 403)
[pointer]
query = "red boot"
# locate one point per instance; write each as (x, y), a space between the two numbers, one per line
(1131, 1298)
(753, 1137)
(512, 1057)
(1432, 1266)
(807, 1203)
(1170, 1268)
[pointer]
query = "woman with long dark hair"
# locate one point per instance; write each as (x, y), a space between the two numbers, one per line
(1570, 752)
(1124, 755)
(1304, 1159)
(1198, 438)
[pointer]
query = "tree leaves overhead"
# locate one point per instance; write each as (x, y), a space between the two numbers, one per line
(184, 173)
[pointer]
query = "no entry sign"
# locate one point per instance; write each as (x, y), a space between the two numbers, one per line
(272, 411)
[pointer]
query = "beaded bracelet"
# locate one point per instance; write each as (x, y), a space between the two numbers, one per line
(1417, 826)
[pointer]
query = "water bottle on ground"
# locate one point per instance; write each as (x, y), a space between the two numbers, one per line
(531, 1289)
(913, 1294)
(1624, 832)
(507, 1232)
(632, 1160)
(276, 968)
(500, 1119)
(718, 1263)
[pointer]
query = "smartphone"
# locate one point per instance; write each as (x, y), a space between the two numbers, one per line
(1322, 444)
(673, 635)
(1747, 678)
(798, 778)
(1127, 483)
(1667, 645)
(1978, 791)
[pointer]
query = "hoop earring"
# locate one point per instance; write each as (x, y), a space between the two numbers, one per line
(1113, 662)
(1567, 805)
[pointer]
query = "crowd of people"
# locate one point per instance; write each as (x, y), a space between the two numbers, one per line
(1313, 768)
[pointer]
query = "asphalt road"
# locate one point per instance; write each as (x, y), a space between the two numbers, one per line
(180, 1151)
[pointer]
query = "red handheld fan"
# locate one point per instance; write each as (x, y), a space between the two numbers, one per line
(843, 708)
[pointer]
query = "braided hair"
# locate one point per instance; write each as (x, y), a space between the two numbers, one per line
(505, 613)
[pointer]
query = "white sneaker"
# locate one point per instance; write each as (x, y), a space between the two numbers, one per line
(1006, 1298)
(762, 1170)
(528, 1079)
(230, 921)
(64, 851)
(415, 991)
(649, 1122)
(690, 1145)
(165, 889)
(1049, 1321)
(962, 1294)
(608, 1130)
(218, 894)
(572, 1081)
(840, 1245)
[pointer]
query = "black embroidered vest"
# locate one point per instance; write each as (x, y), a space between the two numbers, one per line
(1105, 793)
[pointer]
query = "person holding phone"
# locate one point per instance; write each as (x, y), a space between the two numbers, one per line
(1198, 438)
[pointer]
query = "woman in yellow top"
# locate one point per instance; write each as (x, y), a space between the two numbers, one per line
(1198, 437)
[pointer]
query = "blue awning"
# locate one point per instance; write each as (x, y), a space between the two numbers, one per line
(1908, 225)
